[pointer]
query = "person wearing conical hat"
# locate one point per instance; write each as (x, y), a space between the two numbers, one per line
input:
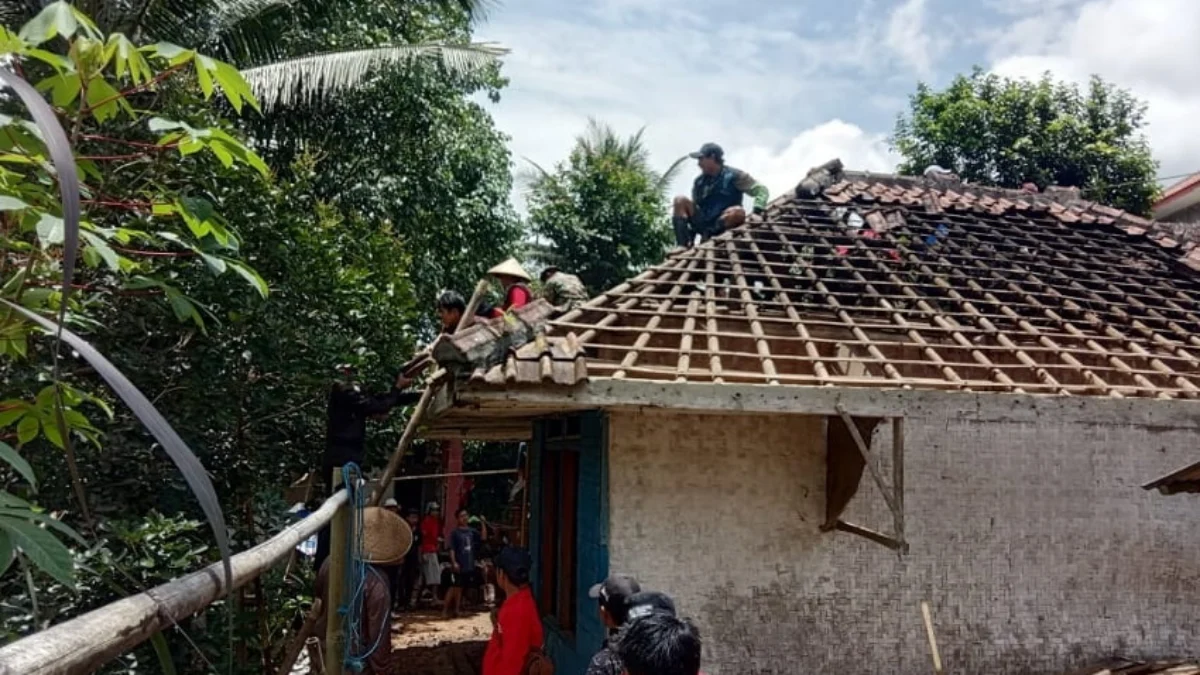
(386, 538)
(514, 280)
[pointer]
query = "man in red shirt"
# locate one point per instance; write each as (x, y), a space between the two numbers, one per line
(514, 279)
(518, 630)
(431, 537)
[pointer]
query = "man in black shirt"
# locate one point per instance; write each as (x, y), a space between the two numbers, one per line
(346, 430)
(613, 595)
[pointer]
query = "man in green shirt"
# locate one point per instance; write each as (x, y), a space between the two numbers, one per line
(564, 291)
(717, 196)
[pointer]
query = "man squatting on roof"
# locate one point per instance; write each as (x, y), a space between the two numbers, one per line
(716, 202)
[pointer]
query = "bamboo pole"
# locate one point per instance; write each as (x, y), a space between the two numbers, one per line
(435, 381)
(87, 642)
(933, 648)
(410, 432)
(338, 529)
(297, 644)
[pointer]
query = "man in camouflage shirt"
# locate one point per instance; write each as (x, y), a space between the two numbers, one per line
(564, 291)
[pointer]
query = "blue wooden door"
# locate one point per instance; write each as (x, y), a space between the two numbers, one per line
(569, 533)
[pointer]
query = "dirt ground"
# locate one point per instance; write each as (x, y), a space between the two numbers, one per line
(425, 644)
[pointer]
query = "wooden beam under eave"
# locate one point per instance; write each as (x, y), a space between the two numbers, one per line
(858, 401)
(868, 533)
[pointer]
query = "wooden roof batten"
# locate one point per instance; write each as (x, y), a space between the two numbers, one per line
(859, 280)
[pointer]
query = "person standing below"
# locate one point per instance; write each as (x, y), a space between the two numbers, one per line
(383, 534)
(349, 408)
(717, 197)
(514, 280)
(517, 635)
(564, 291)
(431, 539)
(659, 644)
(410, 571)
(465, 545)
(613, 595)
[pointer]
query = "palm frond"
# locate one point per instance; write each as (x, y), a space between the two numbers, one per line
(531, 175)
(664, 181)
(305, 79)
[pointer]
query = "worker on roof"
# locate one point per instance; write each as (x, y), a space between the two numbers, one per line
(717, 196)
(514, 280)
(450, 309)
(564, 291)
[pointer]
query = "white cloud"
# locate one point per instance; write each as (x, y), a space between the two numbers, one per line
(1151, 47)
(859, 150)
(908, 37)
(763, 86)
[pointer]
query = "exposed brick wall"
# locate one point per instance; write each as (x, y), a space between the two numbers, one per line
(1033, 543)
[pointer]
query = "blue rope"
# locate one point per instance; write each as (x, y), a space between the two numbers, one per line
(354, 582)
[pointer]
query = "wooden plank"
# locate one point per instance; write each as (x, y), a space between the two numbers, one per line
(865, 450)
(870, 402)
(339, 528)
(868, 533)
(898, 477)
(85, 643)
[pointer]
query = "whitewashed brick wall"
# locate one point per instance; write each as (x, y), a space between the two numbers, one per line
(1034, 544)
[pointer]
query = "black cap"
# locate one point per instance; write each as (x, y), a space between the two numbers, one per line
(513, 560)
(641, 604)
(614, 593)
(709, 150)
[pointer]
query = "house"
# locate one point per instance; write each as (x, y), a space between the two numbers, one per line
(1180, 203)
(888, 390)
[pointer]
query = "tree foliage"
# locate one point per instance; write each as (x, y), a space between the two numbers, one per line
(271, 39)
(376, 200)
(1005, 132)
(602, 212)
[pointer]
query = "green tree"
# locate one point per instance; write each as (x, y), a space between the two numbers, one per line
(1005, 132)
(602, 212)
(283, 58)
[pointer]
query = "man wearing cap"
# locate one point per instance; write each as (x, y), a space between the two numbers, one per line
(518, 631)
(564, 291)
(717, 196)
(613, 595)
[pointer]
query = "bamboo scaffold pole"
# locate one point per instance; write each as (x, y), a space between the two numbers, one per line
(414, 422)
(87, 642)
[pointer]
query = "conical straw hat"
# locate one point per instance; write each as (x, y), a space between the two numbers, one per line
(510, 268)
(386, 537)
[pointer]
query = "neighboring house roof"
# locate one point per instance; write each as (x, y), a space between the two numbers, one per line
(858, 280)
(1182, 195)
(1186, 479)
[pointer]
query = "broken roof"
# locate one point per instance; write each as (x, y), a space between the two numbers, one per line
(881, 281)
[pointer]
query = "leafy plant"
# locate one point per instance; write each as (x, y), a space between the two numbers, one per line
(1006, 132)
(138, 229)
(603, 212)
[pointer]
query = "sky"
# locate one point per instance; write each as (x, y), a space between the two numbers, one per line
(786, 85)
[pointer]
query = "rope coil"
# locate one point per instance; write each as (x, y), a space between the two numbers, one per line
(354, 582)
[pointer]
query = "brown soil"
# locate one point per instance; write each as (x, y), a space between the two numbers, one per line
(427, 644)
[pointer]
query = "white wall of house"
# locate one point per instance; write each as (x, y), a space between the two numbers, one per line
(1034, 544)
